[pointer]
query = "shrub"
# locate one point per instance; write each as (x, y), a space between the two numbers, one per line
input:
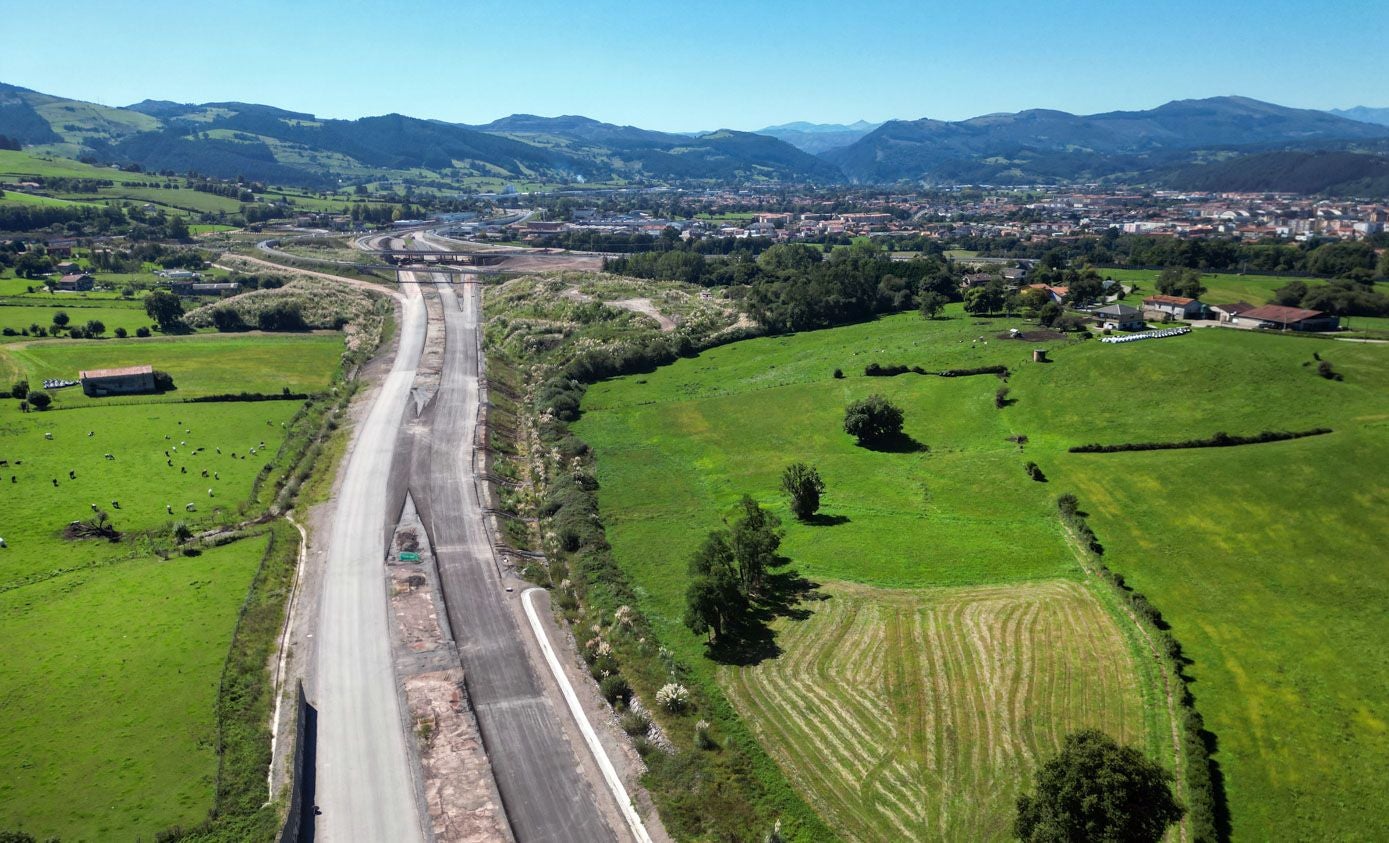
(702, 737)
(1324, 369)
(873, 420)
(227, 319)
(122, 333)
(1035, 472)
(163, 381)
(39, 400)
(1001, 397)
(635, 723)
(802, 484)
(20, 389)
(838, 374)
(615, 688)
(673, 697)
(876, 370)
(142, 332)
(1217, 440)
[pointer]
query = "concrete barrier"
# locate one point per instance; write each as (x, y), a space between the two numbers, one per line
(299, 820)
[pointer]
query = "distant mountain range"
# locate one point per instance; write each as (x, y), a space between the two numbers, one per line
(1234, 137)
(1379, 116)
(1043, 145)
(819, 138)
(230, 139)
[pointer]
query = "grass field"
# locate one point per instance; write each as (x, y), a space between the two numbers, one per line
(938, 526)
(109, 680)
(206, 364)
(33, 511)
(914, 715)
(1267, 559)
(80, 312)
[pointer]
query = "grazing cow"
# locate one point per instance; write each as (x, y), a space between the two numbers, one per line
(192, 507)
(110, 456)
(115, 504)
(168, 509)
(209, 492)
(204, 472)
(72, 475)
(48, 436)
(91, 433)
(93, 507)
(183, 469)
(216, 475)
(219, 452)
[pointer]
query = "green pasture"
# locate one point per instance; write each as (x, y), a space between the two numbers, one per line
(34, 511)
(1221, 287)
(79, 312)
(109, 679)
(12, 197)
(203, 364)
(1269, 562)
(1265, 558)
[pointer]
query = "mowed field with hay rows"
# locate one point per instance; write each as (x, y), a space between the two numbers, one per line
(915, 715)
(1198, 531)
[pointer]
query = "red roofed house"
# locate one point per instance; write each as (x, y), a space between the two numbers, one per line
(1056, 294)
(1281, 318)
(1172, 307)
(99, 382)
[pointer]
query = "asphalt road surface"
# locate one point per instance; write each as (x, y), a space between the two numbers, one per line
(365, 784)
(543, 789)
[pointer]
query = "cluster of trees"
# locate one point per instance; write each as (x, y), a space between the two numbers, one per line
(1320, 257)
(729, 571)
(1344, 297)
(75, 219)
(796, 287)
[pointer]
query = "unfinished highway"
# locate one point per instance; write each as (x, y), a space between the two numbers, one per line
(423, 440)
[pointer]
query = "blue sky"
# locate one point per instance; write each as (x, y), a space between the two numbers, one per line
(701, 65)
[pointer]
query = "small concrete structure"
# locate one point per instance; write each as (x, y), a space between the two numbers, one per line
(131, 379)
(1039, 355)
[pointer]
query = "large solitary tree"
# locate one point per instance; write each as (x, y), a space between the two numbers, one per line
(164, 308)
(1098, 790)
(803, 486)
(873, 420)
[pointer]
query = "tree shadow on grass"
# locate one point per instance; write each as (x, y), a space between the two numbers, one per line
(751, 640)
(820, 519)
(899, 444)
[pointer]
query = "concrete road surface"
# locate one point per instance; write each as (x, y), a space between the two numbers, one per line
(365, 777)
(546, 795)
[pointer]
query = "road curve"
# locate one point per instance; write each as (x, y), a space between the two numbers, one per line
(365, 778)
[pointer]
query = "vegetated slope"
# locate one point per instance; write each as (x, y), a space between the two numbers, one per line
(231, 139)
(916, 715)
(1327, 172)
(721, 155)
(1041, 143)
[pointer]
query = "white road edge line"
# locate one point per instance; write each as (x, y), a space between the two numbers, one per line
(285, 633)
(590, 737)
